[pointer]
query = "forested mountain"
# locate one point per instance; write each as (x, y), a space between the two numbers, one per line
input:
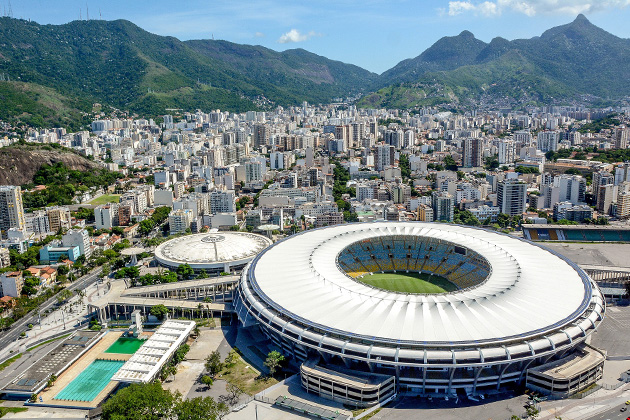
(563, 63)
(53, 74)
(119, 64)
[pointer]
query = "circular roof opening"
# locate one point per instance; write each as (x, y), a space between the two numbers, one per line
(413, 264)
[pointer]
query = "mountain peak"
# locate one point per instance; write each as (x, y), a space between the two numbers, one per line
(466, 34)
(581, 19)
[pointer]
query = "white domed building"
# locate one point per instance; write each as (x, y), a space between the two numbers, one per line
(213, 252)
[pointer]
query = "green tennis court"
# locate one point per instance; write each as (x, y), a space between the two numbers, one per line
(125, 345)
(409, 282)
(90, 382)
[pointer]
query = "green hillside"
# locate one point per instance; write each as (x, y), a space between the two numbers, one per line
(119, 64)
(561, 64)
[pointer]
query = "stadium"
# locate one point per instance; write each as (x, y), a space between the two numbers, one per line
(429, 308)
(214, 252)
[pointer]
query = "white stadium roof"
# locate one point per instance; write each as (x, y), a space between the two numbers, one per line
(529, 291)
(211, 250)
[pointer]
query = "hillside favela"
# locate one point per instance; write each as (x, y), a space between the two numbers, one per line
(343, 210)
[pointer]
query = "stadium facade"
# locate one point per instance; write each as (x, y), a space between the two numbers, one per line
(517, 306)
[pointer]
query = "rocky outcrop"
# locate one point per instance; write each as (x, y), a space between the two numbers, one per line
(18, 164)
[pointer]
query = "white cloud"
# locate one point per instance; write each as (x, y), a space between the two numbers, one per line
(533, 7)
(459, 7)
(259, 35)
(296, 36)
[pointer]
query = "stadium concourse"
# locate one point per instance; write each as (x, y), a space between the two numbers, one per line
(515, 306)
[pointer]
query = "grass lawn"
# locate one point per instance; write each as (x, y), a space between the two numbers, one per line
(46, 342)
(8, 362)
(6, 410)
(409, 282)
(246, 377)
(105, 198)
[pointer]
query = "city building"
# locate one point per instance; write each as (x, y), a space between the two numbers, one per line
(51, 254)
(512, 197)
(507, 152)
(485, 212)
(425, 213)
(384, 155)
(328, 219)
(106, 216)
(472, 156)
(222, 201)
(443, 205)
(11, 284)
(11, 209)
(5, 257)
(79, 238)
(548, 141)
(38, 222)
(179, 220)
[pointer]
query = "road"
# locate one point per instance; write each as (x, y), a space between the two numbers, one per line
(12, 335)
(612, 414)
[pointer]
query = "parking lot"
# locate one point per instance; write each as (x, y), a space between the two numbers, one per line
(490, 408)
(613, 334)
(609, 255)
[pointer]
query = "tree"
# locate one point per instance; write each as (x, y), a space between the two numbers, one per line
(64, 295)
(118, 230)
(273, 361)
(110, 254)
(213, 363)
(185, 271)
(491, 162)
(234, 392)
(63, 269)
(202, 274)
(105, 270)
(167, 371)
(207, 380)
(199, 408)
(532, 411)
(449, 163)
(231, 358)
(159, 311)
(141, 402)
(133, 272)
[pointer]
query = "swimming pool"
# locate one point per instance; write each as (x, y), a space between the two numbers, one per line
(90, 382)
(125, 345)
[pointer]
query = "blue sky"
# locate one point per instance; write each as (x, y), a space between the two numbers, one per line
(374, 34)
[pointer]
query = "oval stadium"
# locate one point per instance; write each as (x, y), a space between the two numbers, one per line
(424, 307)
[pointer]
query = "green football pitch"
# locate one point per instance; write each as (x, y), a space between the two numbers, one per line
(409, 282)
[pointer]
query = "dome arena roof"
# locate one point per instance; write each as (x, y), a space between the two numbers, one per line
(211, 250)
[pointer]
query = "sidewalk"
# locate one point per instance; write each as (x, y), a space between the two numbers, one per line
(582, 409)
(53, 323)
